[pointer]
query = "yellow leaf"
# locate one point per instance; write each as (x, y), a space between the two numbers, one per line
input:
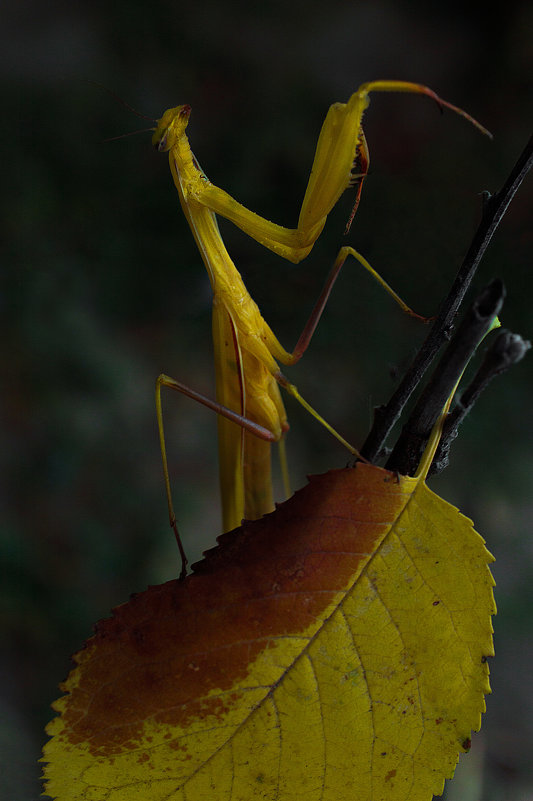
(335, 650)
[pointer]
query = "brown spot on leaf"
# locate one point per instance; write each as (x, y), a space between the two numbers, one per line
(175, 652)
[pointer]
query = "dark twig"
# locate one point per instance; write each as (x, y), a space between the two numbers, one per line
(408, 450)
(507, 349)
(493, 210)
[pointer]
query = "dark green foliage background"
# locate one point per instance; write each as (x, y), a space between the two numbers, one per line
(102, 289)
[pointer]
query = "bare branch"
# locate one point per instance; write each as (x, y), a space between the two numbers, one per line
(494, 208)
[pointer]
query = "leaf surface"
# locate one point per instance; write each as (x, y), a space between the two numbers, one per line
(334, 650)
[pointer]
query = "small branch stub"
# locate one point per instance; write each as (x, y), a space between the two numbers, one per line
(506, 349)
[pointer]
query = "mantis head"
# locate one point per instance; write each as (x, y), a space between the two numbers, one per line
(171, 127)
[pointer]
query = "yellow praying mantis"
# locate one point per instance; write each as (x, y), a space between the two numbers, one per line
(248, 377)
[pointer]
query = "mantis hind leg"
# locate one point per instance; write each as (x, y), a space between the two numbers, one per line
(171, 513)
(254, 428)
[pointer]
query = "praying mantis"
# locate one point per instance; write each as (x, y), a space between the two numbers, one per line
(246, 351)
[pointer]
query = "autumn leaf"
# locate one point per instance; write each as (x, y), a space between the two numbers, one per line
(335, 650)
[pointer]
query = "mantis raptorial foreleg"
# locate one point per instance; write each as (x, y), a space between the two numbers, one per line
(340, 143)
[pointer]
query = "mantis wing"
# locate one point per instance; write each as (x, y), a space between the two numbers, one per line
(264, 406)
(230, 392)
(246, 386)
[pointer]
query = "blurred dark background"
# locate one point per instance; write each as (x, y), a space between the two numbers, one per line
(102, 288)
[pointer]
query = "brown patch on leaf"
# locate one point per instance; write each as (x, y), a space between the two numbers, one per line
(174, 653)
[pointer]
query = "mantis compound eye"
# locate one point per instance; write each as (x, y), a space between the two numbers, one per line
(162, 144)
